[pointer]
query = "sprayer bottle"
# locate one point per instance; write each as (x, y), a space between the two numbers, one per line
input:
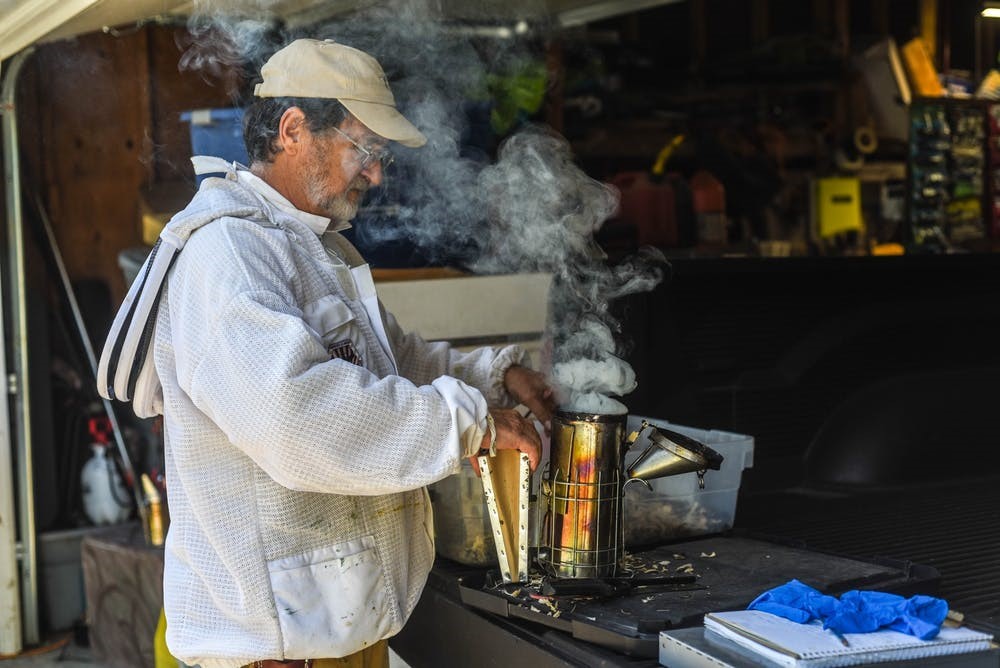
(709, 196)
(105, 499)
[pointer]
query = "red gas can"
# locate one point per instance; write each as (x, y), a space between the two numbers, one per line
(649, 206)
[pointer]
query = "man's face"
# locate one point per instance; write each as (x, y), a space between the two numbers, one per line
(334, 180)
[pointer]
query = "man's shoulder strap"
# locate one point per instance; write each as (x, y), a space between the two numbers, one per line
(125, 370)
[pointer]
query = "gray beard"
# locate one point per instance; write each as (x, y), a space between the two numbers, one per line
(336, 207)
(339, 208)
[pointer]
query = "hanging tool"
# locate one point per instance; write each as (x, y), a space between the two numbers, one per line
(130, 476)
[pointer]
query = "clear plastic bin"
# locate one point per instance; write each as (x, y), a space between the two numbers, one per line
(462, 530)
(676, 507)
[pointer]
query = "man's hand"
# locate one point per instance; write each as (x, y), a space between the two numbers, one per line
(529, 387)
(513, 433)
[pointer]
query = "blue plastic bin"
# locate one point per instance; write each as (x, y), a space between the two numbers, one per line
(217, 132)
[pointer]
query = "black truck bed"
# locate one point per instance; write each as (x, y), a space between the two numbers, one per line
(952, 527)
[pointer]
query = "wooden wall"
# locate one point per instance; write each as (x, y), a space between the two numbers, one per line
(99, 122)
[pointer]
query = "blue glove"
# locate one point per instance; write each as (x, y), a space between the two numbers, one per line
(795, 601)
(856, 611)
(865, 611)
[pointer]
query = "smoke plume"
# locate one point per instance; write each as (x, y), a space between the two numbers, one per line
(544, 212)
(530, 209)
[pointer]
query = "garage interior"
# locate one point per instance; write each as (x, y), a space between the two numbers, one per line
(855, 345)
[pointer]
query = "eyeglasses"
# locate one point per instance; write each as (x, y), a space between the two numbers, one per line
(384, 156)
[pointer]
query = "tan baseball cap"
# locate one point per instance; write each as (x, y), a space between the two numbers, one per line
(327, 69)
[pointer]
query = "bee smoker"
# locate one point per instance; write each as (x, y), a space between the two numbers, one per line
(582, 488)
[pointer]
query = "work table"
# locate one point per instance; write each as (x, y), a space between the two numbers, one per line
(452, 624)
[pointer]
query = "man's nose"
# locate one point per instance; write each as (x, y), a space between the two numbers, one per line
(373, 172)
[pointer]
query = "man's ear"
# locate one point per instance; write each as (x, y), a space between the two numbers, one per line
(292, 130)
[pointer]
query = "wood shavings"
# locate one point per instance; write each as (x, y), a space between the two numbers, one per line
(648, 565)
(639, 565)
(709, 555)
(650, 518)
(685, 568)
(647, 599)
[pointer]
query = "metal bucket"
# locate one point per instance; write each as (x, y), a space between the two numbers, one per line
(582, 536)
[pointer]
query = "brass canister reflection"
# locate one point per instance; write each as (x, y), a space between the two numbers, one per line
(584, 477)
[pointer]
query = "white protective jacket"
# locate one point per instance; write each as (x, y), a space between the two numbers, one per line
(300, 524)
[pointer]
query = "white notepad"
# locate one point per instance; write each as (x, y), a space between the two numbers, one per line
(811, 646)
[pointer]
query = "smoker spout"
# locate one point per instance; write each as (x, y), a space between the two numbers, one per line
(670, 453)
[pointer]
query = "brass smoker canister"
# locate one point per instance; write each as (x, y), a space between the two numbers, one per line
(582, 535)
(582, 490)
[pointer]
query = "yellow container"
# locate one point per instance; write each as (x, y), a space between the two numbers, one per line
(158, 204)
(837, 207)
(152, 225)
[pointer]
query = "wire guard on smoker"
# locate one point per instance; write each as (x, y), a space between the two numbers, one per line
(582, 533)
(582, 528)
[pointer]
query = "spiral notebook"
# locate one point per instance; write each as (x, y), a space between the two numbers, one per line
(796, 645)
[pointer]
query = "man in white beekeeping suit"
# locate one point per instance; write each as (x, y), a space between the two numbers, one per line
(302, 425)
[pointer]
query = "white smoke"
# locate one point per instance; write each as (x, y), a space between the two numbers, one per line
(545, 212)
(532, 209)
(226, 36)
